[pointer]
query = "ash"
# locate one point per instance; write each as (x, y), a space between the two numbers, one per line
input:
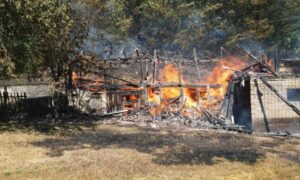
(189, 118)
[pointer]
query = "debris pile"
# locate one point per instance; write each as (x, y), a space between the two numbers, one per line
(165, 94)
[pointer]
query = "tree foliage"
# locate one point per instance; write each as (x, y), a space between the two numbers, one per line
(48, 34)
(205, 24)
(38, 35)
(274, 24)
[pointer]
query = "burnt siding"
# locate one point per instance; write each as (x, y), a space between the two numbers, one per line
(269, 112)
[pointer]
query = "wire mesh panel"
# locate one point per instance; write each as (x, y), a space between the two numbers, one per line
(269, 112)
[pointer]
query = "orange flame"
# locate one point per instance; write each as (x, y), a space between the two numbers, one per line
(270, 64)
(133, 97)
(219, 75)
(74, 78)
(168, 75)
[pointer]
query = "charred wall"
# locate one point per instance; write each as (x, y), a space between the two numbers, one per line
(241, 106)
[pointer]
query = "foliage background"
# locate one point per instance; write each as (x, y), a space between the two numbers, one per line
(47, 35)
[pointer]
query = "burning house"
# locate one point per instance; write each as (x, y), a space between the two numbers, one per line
(232, 92)
(237, 92)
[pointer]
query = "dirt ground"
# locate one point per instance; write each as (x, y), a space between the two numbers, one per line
(85, 150)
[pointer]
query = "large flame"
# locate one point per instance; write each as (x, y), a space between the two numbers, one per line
(168, 75)
(152, 96)
(219, 75)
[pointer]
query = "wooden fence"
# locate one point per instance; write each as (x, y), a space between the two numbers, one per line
(7, 98)
(14, 103)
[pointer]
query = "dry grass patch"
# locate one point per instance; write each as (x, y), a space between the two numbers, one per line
(118, 152)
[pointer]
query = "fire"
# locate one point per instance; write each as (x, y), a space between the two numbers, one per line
(133, 97)
(270, 64)
(74, 78)
(168, 75)
(152, 96)
(219, 75)
(190, 97)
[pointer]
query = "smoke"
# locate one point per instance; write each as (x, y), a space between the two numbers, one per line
(172, 27)
(180, 35)
(254, 47)
(106, 45)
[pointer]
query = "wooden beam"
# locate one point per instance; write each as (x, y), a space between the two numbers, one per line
(155, 66)
(120, 92)
(230, 100)
(180, 82)
(198, 96)
(209, 97)
(166, 85)
(197, 66)
(141, 66)
(258, 61)
(120, 79)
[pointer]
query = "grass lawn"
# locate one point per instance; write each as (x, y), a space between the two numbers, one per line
(100, 151)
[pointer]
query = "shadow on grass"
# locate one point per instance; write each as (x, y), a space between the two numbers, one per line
(167, 148)
(45, 125)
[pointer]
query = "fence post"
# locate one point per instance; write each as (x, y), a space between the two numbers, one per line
(1, 101)
(25, 102)
(5, 96)
(18, 103)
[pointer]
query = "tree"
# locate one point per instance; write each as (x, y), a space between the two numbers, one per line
(39, 35)
(273, 24)
(48, 34)
(205, 24)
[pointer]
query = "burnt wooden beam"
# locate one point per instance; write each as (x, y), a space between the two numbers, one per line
(262, 106)
(197, 65)
(141, 65)
(166, 85)
(213, 119)
(276, 61)
(120, 79)
(258, 61)
(229, 111)
(120, 92)
(199, 77)
(180, 81)
(123, 53)
(113, 113)
(198, 96)
(290, 59)
(209, 97)
(192, 61)
(249, 67)
(106, 86)
(155, 66)
(150, 59)
(226, 102)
